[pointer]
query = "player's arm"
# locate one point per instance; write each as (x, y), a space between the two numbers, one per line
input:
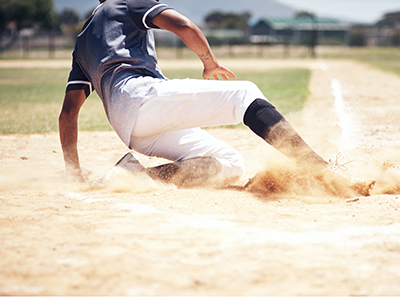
(194, 39)
(68, 127)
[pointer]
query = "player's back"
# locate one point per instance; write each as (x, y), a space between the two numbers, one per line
(113, 40)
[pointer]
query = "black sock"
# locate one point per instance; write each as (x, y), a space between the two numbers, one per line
(264, 120)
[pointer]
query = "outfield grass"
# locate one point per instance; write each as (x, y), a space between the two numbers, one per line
(287, 89)
(386, 59)
(31, 99)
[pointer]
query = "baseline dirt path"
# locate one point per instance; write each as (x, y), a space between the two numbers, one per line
(135, 237)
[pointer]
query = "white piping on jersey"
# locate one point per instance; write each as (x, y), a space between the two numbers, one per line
(84, 29)
(148, 12)
(82, 82)
(97, 8)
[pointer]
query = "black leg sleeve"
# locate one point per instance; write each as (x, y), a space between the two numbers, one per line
(265, 121)
(261, 116)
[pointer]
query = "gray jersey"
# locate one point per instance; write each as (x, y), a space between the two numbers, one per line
(116, 43)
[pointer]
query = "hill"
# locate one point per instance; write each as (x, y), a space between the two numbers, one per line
(197, 10)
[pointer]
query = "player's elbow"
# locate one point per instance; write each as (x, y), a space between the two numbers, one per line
(184, 27)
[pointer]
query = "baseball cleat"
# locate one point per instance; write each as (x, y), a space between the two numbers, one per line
(127, 162)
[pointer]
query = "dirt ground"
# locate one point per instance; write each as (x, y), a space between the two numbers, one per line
(136, 237)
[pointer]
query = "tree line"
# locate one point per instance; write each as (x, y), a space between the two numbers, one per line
(27, 13)
(40, 14)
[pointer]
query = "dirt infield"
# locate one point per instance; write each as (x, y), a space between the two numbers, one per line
(137, 237)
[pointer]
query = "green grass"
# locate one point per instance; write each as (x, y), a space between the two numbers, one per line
(31, 99)
(287, 89)
(386, 59)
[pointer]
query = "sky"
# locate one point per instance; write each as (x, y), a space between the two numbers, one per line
(365, 11)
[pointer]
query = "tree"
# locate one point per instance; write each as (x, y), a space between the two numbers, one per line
(69, 20)
(395, 38)
(304, 14)
(27, 13)
(389, 20)
(220, 20)
(68, 17)
(358, 36)
(390, 23)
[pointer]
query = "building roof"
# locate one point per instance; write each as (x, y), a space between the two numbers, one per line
(304, 23)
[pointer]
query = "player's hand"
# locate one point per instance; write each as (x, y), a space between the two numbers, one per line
(218, 70)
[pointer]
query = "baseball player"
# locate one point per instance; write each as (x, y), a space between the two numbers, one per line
(153, 115)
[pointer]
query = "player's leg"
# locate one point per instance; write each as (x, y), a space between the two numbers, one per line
(264, 120)
(181, 104)
(198, 157)
(190, 103)
(197, 171)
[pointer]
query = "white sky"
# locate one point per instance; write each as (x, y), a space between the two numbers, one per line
(367, 11)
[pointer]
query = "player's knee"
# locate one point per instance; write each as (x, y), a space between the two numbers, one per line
(261, 116)
(250, 89)
(252, 86)
(254, 90)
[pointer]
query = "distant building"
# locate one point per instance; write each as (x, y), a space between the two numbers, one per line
(300, 31)
(215, 37)
(226, 36)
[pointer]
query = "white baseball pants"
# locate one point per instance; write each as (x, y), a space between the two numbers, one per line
(172, 112)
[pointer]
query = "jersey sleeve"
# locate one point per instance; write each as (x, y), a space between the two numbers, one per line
(142, 12)
(78, 81)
